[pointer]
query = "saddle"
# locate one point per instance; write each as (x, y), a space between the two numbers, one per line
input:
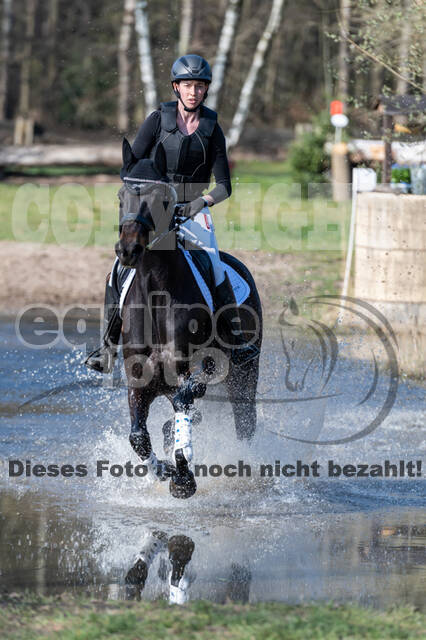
(200, 264)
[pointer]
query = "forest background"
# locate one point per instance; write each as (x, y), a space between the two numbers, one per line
(90, 70)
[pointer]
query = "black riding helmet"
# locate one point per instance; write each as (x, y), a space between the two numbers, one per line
(190, 67)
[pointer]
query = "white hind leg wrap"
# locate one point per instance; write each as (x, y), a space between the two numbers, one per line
(183, 434)
(178, 594)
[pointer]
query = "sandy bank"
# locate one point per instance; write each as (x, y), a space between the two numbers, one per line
(61, 276)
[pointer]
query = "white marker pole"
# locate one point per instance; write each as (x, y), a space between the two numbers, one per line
(350, 250)
(362, 180)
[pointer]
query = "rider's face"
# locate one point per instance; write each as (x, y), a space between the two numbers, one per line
(191, 91)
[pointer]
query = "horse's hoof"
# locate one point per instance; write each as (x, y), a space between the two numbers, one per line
(137, 575)
(196, 417)
(141, 443)
(183, 486)
(165, 470)
(182, 483)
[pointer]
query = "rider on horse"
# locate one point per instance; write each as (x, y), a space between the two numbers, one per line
(194, 147)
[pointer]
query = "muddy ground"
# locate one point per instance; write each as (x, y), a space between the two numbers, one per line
(60, 276)
(63, 276)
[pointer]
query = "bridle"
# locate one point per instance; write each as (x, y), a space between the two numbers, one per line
(136, 186)
(140, 186)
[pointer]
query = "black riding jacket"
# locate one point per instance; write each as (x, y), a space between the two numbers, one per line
(191, 159)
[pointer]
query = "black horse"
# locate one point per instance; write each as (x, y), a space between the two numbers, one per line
(172, 343)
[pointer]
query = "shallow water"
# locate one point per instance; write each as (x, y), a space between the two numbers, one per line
(255, 538)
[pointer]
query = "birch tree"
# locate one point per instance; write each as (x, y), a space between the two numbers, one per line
(145, 56)
(123, 64)
(246, 94)
(225, 43)
(185, 26)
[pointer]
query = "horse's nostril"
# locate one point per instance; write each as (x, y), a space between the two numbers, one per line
(121, 252)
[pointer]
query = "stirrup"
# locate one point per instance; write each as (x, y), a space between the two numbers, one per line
(102, 359)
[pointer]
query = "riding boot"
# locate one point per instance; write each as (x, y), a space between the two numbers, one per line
(102, 359)
(242, 352)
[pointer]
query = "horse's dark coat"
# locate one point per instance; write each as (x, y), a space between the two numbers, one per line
(157, 342)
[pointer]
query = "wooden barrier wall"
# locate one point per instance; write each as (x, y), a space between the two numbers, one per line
(390, 264)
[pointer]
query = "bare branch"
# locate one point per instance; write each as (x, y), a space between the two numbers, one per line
(370, 55)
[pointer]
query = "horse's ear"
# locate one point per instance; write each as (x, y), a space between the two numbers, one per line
(128, 158)
(160, 160)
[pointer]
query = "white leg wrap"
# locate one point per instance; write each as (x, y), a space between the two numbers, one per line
(183, 434)
(179, 594)
(151, 544)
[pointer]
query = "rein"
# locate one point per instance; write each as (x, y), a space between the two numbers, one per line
(175, 227)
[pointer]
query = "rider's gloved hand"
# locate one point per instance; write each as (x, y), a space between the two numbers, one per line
(192, 208)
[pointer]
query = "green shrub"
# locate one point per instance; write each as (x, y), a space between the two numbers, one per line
(307, 160)
(401, 174)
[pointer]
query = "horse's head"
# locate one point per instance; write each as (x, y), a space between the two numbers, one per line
(146, 204)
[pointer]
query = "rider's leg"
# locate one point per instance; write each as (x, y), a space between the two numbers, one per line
(200, 231)
(224, 297)
(102, 359)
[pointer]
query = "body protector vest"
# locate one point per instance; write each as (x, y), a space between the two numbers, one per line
(188, 159)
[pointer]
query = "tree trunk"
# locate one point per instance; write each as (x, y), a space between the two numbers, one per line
(24, 124)
(404, 46)
(376, 80)
(4, 55)
(246, 11)
(387, 161)
(424, 71)
(244, 101)
(326, 57)
(52, 21)
(271, 74)
(124, 66)
(343, 71)
(185, 26)
(225, 43)
(145, 57)
(108, 155)
(24, 88)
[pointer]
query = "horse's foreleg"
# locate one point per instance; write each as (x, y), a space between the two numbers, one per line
(181, 549)
(153, 542)
(139, 403)
(182, 483)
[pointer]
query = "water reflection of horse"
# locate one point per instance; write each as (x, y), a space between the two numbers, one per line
(175, 553)
(170, 343)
